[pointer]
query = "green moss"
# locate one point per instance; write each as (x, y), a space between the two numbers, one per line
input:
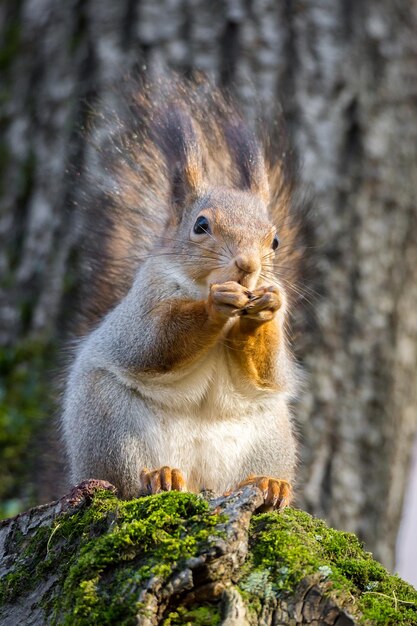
(154, 534)
(104, 555)
(24, 405)
(292, 545)
(194, 616)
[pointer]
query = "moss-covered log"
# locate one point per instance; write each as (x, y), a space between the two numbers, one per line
(178, 558)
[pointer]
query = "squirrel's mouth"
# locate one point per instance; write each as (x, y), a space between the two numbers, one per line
(248, 280)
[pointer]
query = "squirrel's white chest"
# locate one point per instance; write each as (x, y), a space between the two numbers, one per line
(208, 454)
(204, 424)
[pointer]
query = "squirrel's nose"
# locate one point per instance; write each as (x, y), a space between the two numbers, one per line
(246, 263)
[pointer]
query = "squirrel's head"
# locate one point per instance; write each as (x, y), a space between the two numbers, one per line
(223, 232)
(228, 236)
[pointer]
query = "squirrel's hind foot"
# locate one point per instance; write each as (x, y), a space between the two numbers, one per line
(277, 493)
(162, 479)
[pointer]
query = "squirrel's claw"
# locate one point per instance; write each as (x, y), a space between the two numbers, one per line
(231, 299)
(277, 493)
(162, 479)
(228, 299)
(264, 303)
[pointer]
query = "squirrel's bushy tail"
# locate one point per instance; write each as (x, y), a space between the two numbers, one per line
(158, 134)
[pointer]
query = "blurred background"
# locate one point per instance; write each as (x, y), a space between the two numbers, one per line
(344, 75)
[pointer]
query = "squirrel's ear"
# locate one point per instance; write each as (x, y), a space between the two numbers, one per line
(248, 158)
(177, 138)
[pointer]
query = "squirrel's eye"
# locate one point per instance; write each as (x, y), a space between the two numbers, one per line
(275, 242)
(201, 225)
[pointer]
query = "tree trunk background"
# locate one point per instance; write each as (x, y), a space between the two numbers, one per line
(345, 75)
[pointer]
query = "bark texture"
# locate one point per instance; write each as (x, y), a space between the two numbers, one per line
(174, 559)
(345, 75)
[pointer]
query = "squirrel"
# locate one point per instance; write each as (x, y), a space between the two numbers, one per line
(184, 374)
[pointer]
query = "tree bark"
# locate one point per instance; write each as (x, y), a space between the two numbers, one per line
(345, 75)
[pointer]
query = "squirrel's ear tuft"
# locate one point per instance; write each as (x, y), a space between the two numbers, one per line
(248, 158)
(176, 137)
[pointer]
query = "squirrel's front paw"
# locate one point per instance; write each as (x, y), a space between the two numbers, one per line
(263, 303)
(162, 479)
(228, 299)
(277, 493)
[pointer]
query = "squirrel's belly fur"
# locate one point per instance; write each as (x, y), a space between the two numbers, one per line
(185, 360)
(205, 420)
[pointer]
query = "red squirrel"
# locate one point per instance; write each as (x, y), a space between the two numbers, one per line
(184, 375)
